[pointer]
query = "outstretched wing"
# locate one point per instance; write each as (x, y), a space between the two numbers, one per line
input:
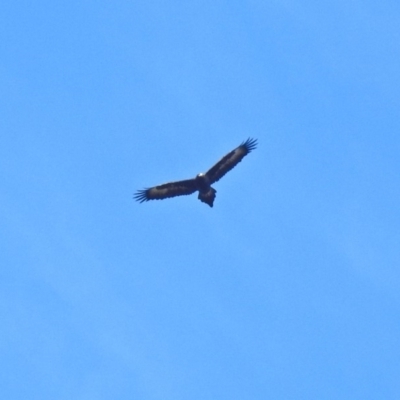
(166, 190)
(230, 160)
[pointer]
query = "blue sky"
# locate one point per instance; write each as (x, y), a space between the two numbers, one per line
(288, 288)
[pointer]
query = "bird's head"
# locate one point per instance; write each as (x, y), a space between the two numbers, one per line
(203, 181)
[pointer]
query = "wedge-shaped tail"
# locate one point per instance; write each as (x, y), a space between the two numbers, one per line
(208, 197)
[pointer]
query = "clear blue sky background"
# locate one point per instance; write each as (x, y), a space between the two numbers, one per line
(289, 288)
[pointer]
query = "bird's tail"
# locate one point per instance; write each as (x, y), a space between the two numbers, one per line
(208, 197)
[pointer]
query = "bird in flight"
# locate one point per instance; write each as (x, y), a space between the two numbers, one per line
(202, 182)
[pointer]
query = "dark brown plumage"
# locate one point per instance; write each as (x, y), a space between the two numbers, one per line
(202, 182)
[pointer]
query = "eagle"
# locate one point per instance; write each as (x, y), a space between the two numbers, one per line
(202, 182)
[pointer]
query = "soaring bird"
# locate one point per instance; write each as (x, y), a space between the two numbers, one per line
(202, 182)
